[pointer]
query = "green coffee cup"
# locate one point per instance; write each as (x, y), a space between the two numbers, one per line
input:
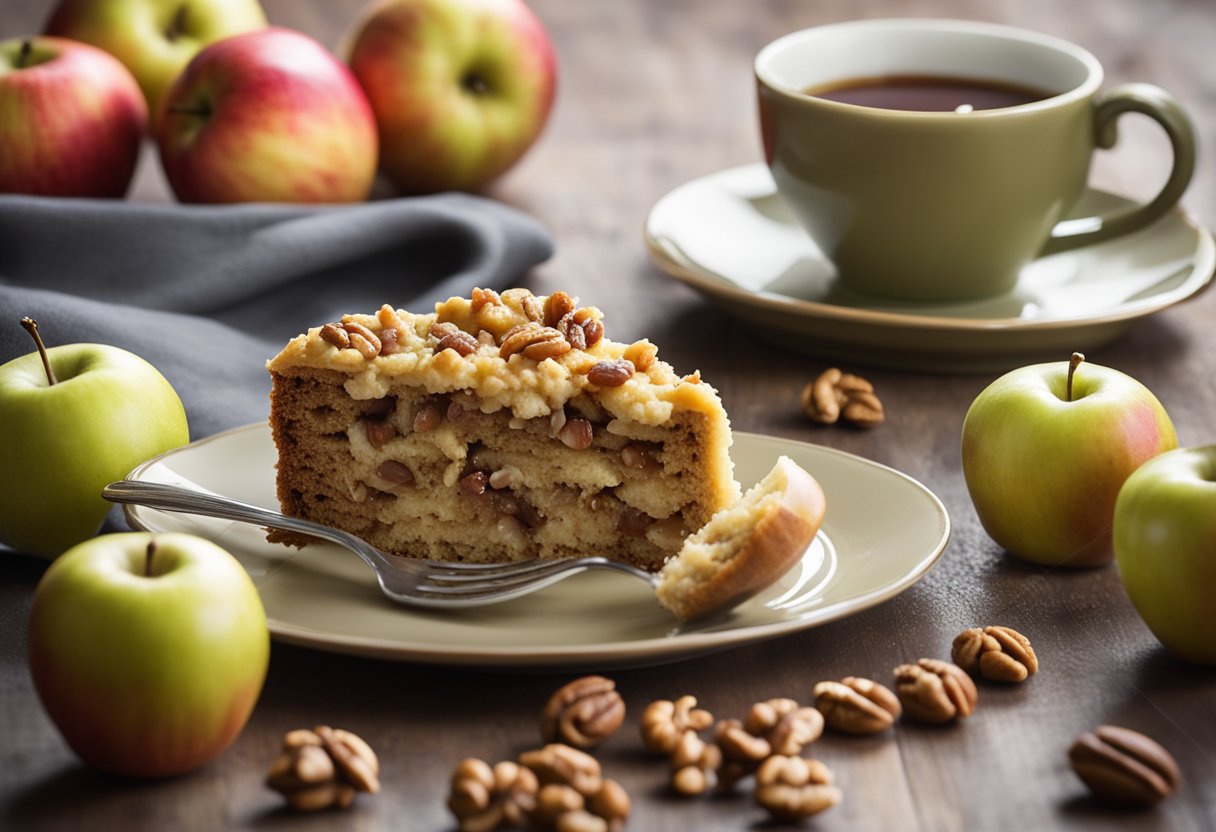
(947, 205)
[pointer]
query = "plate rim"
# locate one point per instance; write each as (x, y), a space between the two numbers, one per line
(635, 653)
(683, 269)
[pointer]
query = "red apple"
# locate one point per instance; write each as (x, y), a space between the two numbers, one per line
(154, 38)
(460, 88)
(71, 119)
(267, 116)
(1046, 449)
(148, 651)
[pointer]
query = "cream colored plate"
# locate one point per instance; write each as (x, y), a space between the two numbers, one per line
(730, 236)
(325, 597)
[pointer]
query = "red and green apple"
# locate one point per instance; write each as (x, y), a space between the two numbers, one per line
(1165, 545)
(1045, 450)
(460, 88)
(148, 651)
(155, 39)
(71, 119)
(267, 116)
(76, 418)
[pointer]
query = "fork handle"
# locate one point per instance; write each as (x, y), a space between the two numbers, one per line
(185, 500)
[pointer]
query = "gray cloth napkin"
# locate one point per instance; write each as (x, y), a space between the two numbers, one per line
(208, 294)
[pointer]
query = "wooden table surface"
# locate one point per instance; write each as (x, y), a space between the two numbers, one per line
(653, 94)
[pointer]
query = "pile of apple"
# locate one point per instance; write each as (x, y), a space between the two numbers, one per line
(1075, 464)
(438, 94)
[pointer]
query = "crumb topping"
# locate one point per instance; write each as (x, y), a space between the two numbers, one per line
(511, 350)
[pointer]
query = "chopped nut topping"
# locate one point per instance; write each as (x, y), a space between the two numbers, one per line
(610, 373)
(542, 341)
(484, 297)
(390, 341)
(641, 354)
(461, 342)
(334, 334)
(557, 306)
(442, 329)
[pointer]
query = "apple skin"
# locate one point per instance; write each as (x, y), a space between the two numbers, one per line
(268, 116)
(1044, 472)
(154, 39)
(460, 88)
(109, 411)
(71, 120)
(148, 675)
(1165, 545)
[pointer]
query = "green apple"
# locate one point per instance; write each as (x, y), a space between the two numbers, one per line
(76, 418)
(148, 651)
(155, 39)
(460, 88)
(1165, 544)
(1047, 447)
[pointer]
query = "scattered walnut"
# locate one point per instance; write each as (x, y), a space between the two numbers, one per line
(583, 713)
(791, 788)
(857, 706)
(610, 373)
(935, 691)
(694, 764)
(664, 722)
(835, 395)
(1124, 767)
(558, 763)
(482, 798)
(997, 653)
(323, 767)
(776, 726)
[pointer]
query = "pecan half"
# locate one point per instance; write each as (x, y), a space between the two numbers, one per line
(610, 373)
(1124, 767)
(461, 342)
(557, 306)
(934, 691)
(1000, 654)
(582, 713)
(857, 706)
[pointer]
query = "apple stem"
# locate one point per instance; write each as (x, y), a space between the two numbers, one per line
(31, 326)
(203, 110)
(148, 558)
(1073, 364)
(23, 57)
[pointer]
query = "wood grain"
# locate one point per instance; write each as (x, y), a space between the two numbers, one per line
(653, 94)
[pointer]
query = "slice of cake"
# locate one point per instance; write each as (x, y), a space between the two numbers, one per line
(499, 427)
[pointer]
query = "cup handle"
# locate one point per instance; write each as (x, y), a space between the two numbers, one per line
(1162, 107)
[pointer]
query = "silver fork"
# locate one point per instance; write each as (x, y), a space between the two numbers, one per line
(410, 581)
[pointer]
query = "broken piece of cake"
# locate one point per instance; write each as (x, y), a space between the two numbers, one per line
(505, 427)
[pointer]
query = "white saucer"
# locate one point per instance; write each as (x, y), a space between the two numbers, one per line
(730, 236)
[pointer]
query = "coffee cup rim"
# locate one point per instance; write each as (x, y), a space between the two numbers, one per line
(1093, 77)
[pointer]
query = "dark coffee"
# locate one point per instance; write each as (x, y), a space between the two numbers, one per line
(928, 93)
